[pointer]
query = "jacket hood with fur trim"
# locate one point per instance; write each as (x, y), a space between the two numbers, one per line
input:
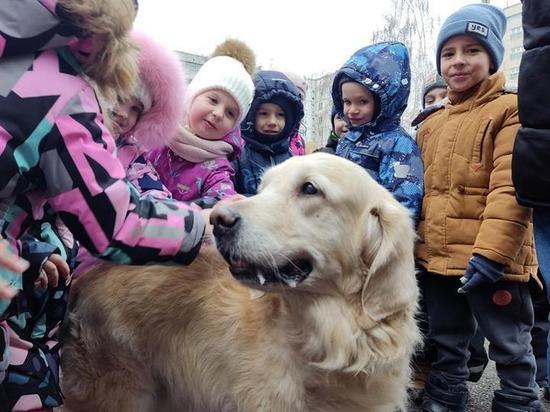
(34, 26)
(161, 75)
(37, 25)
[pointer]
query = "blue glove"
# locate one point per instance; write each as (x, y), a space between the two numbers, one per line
(480, 270)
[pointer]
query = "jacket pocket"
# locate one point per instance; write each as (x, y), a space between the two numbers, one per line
(483, 131)
(421, 137)
(364, 157)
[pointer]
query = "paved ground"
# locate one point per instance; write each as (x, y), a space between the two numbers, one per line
(481, 393)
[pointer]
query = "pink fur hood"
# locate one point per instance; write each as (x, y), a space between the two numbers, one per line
(161, 77)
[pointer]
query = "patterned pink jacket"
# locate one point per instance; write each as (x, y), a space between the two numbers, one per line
(297, 145)
(56, 152)
(202, 183)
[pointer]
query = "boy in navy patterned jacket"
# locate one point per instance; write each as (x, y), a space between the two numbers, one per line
(371, 91)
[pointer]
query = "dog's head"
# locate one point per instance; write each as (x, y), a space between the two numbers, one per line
(320, 223)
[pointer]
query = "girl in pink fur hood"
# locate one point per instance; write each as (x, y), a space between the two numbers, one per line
(145, 121)
(149, 118)
(195, 166)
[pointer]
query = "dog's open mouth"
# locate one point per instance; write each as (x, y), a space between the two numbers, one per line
(291, 273)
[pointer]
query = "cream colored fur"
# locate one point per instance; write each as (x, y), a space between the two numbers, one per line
(159, 338)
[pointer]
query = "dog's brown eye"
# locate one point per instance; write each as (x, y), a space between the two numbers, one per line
(309, 189)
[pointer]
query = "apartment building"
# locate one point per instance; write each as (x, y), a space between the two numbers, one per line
(317, 108)
(513, 44)
(191, 62)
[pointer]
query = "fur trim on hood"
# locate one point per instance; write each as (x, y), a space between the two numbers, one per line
(95, 32)
(162, 78)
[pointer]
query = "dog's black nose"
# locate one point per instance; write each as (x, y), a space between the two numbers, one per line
(225, 220)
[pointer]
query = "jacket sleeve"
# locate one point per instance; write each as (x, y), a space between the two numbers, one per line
(297, 145)
(401, 172)
(36, 253)
(86, 184)
(530, 171)
(31, 30)
(504, 223)
(217, 185)
(143, 176)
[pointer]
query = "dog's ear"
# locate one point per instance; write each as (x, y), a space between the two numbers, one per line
(390, 285)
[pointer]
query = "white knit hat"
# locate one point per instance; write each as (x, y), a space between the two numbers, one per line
(225, 73)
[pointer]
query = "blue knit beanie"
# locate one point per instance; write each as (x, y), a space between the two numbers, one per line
(484, 22)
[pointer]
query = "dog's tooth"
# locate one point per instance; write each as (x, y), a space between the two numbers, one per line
(261, 279)
(290, 282)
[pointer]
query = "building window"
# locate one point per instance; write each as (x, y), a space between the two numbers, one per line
(514, 17)
(516, 33)
(516, 53)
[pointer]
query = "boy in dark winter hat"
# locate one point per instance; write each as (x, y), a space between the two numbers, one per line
(273, 119)
(433, 98)
(475, 247)
(434, 91)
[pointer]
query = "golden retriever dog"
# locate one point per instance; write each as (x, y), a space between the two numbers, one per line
(311, 307)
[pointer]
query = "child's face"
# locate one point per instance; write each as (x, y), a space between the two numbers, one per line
(125, 115)
(464, 63)
(270, 119)
(435, 95)
(359, 105)
(340, 126)
(213, 114)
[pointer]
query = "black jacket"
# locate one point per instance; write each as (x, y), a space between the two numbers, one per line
(330, 147)
(531, 157)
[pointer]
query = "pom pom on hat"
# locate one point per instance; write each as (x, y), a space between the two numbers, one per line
(238, 50)
(484, 22)
(230, 70)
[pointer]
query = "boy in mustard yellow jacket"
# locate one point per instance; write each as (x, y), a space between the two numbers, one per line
(475, 247)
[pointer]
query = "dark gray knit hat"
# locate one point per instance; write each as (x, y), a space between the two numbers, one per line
(438, 82)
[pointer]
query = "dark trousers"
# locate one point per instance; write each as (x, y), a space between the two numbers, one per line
(540, 331)
(428, 354)
(504, 314)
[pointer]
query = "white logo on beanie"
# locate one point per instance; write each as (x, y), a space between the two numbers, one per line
(478, 28)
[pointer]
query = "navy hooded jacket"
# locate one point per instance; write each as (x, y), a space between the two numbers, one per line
(259, 154)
